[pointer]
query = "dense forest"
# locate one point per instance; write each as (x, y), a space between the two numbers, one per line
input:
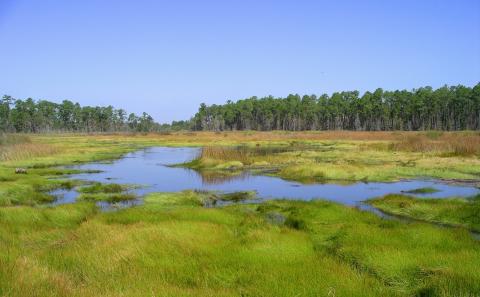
(32, 116)
(446, 108)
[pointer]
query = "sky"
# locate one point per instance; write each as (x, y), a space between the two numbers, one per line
(167, 57)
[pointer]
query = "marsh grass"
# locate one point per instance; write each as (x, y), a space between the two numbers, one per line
(463, 212)
(467, 144)
(22, 151)
(387, 158)
(172, 246)
(108, 197)
(212, 199)
(15, 147)
(301, 156)
(9, 139)
(106, 192)
(245, 154)
(426, 190)
(103, 188)
(414, 259)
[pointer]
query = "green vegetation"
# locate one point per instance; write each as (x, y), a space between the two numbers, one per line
(464, 212)
(426, 190)
(103, 188)
(206, 244)
(173, 246)
(30, 116)
(446, 108)
(349, 161)
(302, 156)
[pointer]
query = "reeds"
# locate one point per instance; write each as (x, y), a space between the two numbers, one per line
(24, 151)
(226, 153)
(450, 144)
(244, 154)
(9, 139)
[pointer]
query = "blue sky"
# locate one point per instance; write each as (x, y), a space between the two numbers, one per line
(166, 57)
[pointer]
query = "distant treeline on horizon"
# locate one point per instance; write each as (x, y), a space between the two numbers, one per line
(446, 108)
(30, 116)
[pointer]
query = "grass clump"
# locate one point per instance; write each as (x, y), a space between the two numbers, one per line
(462, 212)
(106, 192)
(109, 197)
(102, 188)
(425, 190)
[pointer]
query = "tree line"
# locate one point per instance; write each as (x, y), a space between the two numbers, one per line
(445, 108)
(30, 116)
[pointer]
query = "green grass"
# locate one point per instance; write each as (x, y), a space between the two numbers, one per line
(327, 161)
(102, 188)
(463, 212)
(426, 190)
(109, 197)
(172, 246)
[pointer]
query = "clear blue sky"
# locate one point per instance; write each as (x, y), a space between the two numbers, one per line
(166, 57)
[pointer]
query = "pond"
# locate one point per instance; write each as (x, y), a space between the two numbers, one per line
(150, 169)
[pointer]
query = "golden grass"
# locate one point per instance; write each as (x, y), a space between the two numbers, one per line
(206, 137)
(456, 144)
(24, 151)
(8, 139)
(225, 153)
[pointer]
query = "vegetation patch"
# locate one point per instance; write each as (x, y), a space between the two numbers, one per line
(109, 197)
(426, 190)
(211, 199)
(463, 212)
(106, 192)
(103, 188)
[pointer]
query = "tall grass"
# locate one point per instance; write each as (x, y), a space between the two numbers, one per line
(15, 147)
(9, 139)
(23, 151)
(247, 154)
(226, 154)
(449, 143)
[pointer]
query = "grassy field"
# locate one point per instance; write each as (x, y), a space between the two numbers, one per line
(173, 246)
(176, 244)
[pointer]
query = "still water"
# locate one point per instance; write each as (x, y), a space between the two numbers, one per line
(149, 169)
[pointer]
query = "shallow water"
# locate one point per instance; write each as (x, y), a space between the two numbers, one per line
(149, 168)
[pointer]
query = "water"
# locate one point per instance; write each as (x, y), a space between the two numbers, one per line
(149, 168)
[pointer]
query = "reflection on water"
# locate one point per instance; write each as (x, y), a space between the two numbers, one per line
(150, 169)
(219, 177)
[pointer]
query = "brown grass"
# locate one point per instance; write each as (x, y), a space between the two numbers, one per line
(24, 151)
(225, 153)
(239, 137)
(246, 136)
(246, 154)
(449, 143)
(9, 139)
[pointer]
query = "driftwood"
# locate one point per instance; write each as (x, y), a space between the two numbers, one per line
(20, 171)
